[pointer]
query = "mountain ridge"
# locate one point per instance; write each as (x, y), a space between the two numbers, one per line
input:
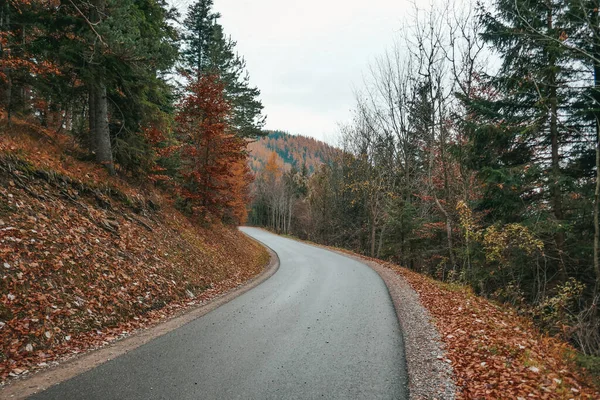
(293, 151)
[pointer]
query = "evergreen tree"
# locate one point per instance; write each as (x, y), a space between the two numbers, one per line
(199, 25)
(122, 60)
(207, 50)
(582, 40)
(110, 54)
(525, 138)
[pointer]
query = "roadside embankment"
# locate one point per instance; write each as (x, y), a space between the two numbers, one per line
(87, 258)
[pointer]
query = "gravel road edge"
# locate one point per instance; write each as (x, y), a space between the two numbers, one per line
(429, 372)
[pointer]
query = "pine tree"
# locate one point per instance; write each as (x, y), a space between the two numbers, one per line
(199, 25)
(520, 149)
(115, 54)
(207, 50)
(581, 39)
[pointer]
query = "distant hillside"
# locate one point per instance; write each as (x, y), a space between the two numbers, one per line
(292, 151)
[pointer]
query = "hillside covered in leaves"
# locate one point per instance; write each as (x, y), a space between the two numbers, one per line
(123, 170)
(88, 258)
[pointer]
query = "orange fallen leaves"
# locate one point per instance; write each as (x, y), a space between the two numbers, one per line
(495, 353)
(80, 268)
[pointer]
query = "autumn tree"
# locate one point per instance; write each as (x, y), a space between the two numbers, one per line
(272, 189)
(214, 181)
(238, 197)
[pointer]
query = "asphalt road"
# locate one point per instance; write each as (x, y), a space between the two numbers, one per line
(322, 327)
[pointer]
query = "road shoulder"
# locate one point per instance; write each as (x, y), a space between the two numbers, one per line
(429, 370)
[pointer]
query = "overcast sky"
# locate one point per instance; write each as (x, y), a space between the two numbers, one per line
(308, 56)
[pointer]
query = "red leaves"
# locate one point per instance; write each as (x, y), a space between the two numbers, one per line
(494, 352)
(213, 158)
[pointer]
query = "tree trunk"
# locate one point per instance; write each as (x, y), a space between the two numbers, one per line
(289, 227)
(206, 178)
(596, 96)
(273, 224)
(5, 26)
(91, 140)
(279, 218)
(8, 95)
(555, 193)
(99, 102)
(432, 187)
(380, 245)
(103, 147)
(373, 236)
(283, 218)
(68, 124)
(447, 194)
(597, 199)
(555, 187)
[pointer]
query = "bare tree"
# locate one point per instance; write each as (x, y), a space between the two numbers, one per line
(428, 41)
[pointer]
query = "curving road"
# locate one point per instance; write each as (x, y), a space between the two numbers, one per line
(322, 327)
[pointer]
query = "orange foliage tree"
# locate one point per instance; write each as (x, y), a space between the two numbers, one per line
(213, 159)
(239, 192)
(272, 169)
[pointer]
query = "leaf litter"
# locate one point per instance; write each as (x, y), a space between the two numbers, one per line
(85, 264)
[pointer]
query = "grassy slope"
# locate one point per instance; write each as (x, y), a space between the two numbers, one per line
(85, 258)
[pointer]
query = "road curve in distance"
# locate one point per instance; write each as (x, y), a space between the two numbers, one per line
(322, 327)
